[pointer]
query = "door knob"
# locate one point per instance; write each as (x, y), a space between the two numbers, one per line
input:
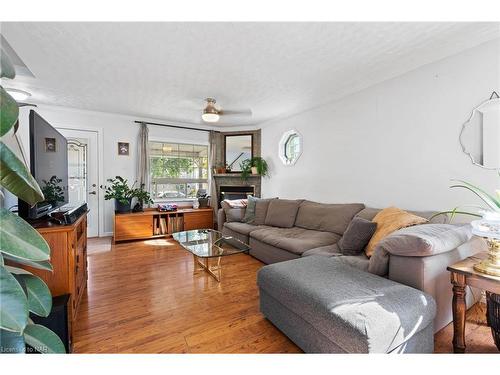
(93, 192)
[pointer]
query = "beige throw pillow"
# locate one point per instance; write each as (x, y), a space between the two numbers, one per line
(390, 220)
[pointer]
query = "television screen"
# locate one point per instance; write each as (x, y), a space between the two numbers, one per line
(49, 166)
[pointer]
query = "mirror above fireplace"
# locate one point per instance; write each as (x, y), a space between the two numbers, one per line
(237, 148)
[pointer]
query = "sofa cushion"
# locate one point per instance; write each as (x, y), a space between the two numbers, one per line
(250, 210)
(356, 310)
(261, 207)
(296, 240)
(325, 251)
(282, 212)
(326, 217)
(390, 220)
(243, 228)
(232, 214)
(425, 240)
(361, 261)
(357, 235)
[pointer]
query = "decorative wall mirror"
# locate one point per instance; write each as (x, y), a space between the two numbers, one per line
(480, 134)
(290, 147)
(237, 147)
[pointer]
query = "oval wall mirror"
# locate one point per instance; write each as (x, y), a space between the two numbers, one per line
(290, 147)
(480, 134)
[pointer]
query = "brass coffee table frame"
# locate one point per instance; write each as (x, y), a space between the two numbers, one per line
(210, 262)
(203, 264)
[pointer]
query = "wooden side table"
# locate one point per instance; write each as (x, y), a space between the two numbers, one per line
(463, 274)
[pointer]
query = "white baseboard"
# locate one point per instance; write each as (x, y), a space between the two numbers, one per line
(106, 234)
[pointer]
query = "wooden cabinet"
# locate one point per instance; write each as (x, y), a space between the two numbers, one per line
(144, 225)
(131, 227)
(198, 220)
(68, 256)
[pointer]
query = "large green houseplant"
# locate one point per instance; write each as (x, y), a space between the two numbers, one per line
(119, 190)
(20, 291)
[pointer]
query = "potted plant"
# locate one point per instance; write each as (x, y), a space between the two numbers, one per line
(255, 166)
(143, 197)
(203, 198)
(21, 292)
(487, 227)
(120, 192)
(52, 191)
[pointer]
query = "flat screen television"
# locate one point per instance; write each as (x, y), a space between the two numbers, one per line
(49, 166)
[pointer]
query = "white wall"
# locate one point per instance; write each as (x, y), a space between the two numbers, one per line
(114, 128)
(395, 143)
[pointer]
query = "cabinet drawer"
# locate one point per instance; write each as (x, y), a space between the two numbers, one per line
(198, 220)
(133, 226)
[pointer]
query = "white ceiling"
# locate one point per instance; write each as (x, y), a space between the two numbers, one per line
(165, 70)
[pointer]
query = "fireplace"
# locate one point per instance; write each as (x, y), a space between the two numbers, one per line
(235, 192)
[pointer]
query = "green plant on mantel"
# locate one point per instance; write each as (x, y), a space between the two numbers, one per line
(258, 163)
(21, 292)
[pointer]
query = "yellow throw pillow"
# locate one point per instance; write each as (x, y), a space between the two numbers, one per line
(390, 220)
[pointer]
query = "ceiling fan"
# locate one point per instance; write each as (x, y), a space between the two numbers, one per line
(212, 113)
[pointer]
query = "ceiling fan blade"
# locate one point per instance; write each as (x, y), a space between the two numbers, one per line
(241, 112)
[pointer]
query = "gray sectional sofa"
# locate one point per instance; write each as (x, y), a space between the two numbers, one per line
(295, 229)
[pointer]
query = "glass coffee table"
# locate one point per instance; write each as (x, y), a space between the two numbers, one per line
(209, 246)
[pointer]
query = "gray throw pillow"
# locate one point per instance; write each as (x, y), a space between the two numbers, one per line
(357, 235)
(250, 211)
(232, 214)
(261, 211)
(282, 213)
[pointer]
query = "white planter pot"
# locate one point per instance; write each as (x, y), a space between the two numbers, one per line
(254, 170)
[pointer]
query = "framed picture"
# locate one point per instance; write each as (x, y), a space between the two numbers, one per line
(50, 145)
(123, 148)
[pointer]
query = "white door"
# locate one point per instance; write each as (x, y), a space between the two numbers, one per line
(83, 174)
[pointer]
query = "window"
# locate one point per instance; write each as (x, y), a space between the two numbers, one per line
(290, 147)
(177, 170)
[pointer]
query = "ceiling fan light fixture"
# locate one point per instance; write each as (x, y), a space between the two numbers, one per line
(210, 117)
(210, 113)
(18, 95)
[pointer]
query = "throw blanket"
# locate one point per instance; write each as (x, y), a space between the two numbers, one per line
(236, 203)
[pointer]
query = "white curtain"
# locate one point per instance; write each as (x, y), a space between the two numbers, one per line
(212, 187)
(143, 178)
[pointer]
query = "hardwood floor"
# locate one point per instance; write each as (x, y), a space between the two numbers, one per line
(142, 297)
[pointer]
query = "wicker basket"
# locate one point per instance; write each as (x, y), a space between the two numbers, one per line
(493, 316)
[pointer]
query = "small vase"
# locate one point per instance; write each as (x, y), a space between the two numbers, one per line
(254, 170)
(123, 207)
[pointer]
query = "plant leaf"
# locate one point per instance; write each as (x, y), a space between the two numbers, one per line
(9, 112)
(14, 306)
(43, 340)
(7, 69)
(39, 297)
(11, 342)
(21, 240)
(16, 178)
(491, 201)
(42, 265)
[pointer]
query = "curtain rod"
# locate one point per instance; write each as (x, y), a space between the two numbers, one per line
(175, 126)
